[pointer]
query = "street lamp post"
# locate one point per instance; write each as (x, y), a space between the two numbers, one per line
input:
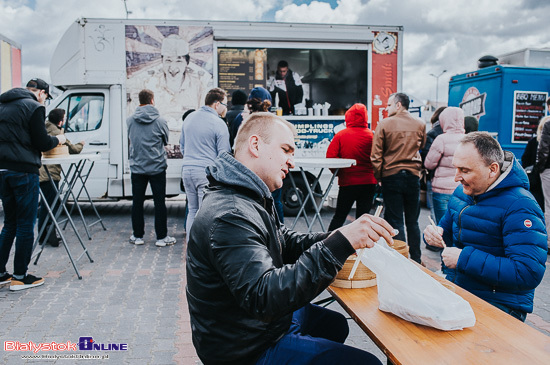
(437, 86)
(128, 12)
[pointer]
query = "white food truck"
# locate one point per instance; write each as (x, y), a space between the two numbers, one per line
(102, 64)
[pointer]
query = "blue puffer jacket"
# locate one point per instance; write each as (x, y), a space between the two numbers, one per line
(503, 240)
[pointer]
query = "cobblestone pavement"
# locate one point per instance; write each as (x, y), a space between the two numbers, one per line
(135, 295)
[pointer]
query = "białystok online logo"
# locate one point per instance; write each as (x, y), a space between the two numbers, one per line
(84, 344)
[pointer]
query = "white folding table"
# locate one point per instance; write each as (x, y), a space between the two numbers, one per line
(77, 164)
(316, 163)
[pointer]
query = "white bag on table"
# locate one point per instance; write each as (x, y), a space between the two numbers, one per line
(408, 292)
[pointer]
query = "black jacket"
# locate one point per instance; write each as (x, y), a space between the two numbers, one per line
(293, 95)
(22, 131)
(543, 150)
(247, 274)
(430, 137)
(232, 114)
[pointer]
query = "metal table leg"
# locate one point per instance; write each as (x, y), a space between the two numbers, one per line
(303, 203)
(62, 196)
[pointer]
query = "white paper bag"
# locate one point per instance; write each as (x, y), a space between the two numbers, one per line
(408, 292)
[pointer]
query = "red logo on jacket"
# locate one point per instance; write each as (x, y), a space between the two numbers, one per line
(527, 223)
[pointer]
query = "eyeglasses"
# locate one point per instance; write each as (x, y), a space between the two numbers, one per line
(222, 104)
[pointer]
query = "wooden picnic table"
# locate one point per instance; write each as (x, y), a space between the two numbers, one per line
(496, 338)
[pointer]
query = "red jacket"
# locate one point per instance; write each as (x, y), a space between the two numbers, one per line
(354, 142)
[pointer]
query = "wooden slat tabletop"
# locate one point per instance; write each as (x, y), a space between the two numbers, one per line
(496, 338)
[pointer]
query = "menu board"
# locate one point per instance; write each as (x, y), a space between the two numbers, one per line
(241, 69)
(529, 108)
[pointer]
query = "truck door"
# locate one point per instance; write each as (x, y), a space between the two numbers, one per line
(88, 120)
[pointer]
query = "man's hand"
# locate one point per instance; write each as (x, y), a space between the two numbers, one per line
(61, 138)
(366, 230)
(450, 256)
(434, 236)
(82, 143)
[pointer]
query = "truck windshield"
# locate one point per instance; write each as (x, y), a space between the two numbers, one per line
(84, 111)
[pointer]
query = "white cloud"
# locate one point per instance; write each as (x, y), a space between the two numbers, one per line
(38, 30)
(438, 34)
(346, 12)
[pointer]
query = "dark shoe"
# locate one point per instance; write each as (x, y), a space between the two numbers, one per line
(29, 281)
(433, 248)
(54, 241)
(4, 279)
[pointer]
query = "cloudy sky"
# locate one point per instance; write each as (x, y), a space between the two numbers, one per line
(439, 34)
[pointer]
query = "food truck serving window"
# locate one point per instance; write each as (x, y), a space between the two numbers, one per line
(334, 76)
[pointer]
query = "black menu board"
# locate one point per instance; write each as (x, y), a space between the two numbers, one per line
(241, 68)
(529, 108)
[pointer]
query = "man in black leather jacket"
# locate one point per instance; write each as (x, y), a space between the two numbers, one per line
(250, 279)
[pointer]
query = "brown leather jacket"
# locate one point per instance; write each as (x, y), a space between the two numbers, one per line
(396, 144)
(55, 170)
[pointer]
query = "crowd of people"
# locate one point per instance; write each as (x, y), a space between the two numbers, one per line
(251, 280)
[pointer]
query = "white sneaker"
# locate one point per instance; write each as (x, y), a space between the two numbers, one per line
(166, 241)
(136, 240)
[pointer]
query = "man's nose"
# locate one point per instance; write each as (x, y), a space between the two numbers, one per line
(457, 176)
(290, 162)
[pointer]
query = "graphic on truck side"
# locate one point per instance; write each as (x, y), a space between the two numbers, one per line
(473, 103)
(175, 62)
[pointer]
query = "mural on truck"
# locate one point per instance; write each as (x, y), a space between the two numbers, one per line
(175, 62)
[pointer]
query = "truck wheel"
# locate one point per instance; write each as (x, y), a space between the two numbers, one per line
(289, 195)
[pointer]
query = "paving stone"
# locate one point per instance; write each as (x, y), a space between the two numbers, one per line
(136, 294)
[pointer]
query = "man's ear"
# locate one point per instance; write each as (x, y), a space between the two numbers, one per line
(494, 169)
(254, 145)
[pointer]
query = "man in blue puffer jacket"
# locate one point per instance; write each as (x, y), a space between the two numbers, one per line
(493, 229)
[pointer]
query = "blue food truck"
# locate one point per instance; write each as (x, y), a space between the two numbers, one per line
(508, 99)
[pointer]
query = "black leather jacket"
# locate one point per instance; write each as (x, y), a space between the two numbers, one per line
(247, 274)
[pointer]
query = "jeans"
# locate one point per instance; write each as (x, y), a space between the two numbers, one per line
(49, 193)
(194, 180)
(440, 202)
(347, 195)
(278, 204)
(19, 193)
(513, 312)
(545, 180)
(316, 336)
(401, 193)
(158, 187)
(429, 198)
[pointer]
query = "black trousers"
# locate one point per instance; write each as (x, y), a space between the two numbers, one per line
(347, 195)
(158, 187)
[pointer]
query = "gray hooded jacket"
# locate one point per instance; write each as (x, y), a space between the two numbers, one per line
(148, 134)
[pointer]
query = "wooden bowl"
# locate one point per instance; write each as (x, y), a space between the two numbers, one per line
(57, 151)
(363, 277)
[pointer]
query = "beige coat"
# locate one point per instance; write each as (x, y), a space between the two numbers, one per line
(55, 170)
(396, 144)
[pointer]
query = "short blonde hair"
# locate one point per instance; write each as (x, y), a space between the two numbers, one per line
(541, 125)
(261, 124)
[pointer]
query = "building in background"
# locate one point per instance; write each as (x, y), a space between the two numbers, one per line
(10, 64)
